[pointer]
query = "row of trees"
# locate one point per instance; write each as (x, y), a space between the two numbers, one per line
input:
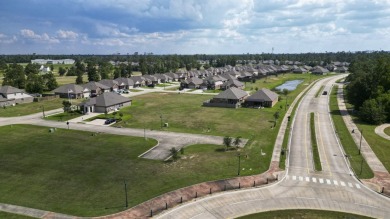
(369, 88)
(28, 78)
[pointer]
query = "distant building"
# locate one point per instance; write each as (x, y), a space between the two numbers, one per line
(52, 61)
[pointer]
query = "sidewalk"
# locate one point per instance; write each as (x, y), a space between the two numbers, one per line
(380, 131)
(381, 178)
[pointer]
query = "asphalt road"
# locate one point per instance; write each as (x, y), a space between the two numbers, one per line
(335, 188)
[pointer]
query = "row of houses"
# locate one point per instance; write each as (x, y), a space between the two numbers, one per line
(235, 97)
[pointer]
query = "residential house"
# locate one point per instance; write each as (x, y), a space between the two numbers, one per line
(232, 83)
(192, 83)
(230, 98)
(9, 96)
(106, 102)
(96, 88)
(72, 91)
(262, 98)
(318, 70)
(341, 69)
(112, 84)
(300, 70)
(125, 83)
(139, 81)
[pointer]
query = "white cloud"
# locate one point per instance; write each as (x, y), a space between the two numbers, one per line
(29, 34)
(67, 34)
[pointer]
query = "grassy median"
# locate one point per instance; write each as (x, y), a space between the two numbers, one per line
(314, 145)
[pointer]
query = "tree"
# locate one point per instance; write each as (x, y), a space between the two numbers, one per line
(71, 71)
(14, 76)
(174, 153)
(50, 81)
(67, 105)
(92, 73)
(61, 71)
(237, 141)
(31, 69)
(79, 79)
(35, 84)
(276, 117)
(372, 112)
(227, 141)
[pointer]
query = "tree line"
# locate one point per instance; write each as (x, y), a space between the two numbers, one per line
(368, 88)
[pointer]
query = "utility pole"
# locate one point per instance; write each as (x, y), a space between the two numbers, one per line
(360, 145)
(43, 111)
(239, 164)
(127, 204)
(161, 117)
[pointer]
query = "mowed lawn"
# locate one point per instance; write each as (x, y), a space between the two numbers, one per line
(79, 174)
(303, 213)
(30, 108)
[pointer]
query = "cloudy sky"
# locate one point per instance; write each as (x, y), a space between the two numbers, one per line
(192, 26)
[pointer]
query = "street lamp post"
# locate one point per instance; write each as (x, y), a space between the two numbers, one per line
(127, 204)
(285, 108)
(239, 164)
(43, 111)
(161, 117)
(361, 136)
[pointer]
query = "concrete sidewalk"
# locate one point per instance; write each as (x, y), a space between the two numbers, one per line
(380, 131)
(381, 178)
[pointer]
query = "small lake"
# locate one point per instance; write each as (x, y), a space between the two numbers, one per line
(289, 85)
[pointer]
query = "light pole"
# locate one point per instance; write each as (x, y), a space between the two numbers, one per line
(239, 164)
(43, 111)
(161, 117)
(127, 204)
(67, 123)
(285, 108)
(361, 136)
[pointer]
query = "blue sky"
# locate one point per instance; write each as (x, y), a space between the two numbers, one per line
(193, 26)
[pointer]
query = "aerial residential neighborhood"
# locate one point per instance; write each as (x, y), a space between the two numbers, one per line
(194, 109)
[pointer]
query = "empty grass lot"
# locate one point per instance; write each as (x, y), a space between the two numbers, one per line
(79, 174)
(30, 108)
(300, 214)
(387, 131)
(357, 161)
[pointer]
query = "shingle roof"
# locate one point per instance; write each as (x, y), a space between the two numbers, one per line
(92, 85)
(319, 69)
(232, 94)
(263, 95)
(69, 88)
(231, 82)
(108, 82)
(125, 81)
(9, 90)
(106, 99)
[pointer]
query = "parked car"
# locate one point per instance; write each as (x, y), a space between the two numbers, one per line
(109, 121)
(125, 91)
(325, 93)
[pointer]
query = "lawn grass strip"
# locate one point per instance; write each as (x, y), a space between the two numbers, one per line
(358, 164)
(314, 145)
(319, 91)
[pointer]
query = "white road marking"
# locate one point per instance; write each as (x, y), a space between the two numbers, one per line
(350, 185)
(335, 182)
(342, 183)
(321, 180)
(357, 186)
(294, 177)
(328, 181)
(301, 178)
(314, 179)
(307, 179)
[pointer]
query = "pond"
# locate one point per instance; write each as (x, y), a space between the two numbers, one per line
(289, 85)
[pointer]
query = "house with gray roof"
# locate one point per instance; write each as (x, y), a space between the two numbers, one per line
(232, 83)
(106, 102)
(112, 84)
(72, 91)
(262, 98)
(125, 83)
(230, 98)
(318, 70)
(10, 96)
(96, 88)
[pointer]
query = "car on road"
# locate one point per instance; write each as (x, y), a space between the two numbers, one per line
(109, 121)
(325, 92)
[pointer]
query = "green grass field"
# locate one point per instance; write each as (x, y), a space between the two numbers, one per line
(301, 214)
(387, 131)
(79, 174)
(357, 161)
(319, 91)
(65, 116)
(61, 80)
(12, 216)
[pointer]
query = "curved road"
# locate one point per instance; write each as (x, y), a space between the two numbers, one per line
(334, 188)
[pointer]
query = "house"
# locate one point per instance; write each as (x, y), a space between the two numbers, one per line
(192, 83)
(262, 97)
(9, 96)
(318, 70)
(106, 102)
(300, 70)
(232, 83)
(125, 83)
(96, 88)
(341, 69)
(52, 61)
(72, 91)
(112, 84)
(230, 98)
(139, 81)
